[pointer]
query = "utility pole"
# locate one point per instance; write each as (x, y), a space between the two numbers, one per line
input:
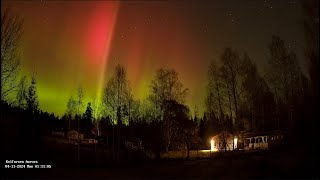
(80, 95)
(78, 138)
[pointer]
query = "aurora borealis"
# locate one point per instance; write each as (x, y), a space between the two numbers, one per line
(72, 43)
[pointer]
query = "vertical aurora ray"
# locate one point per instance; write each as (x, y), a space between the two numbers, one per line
(99, 41)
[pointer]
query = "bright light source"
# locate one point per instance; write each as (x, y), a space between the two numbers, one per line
(205, 151)
(235, 142)
(212, 144)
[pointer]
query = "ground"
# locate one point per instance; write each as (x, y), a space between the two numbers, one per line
(278, 163)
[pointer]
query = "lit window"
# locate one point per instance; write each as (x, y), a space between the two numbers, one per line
(212, 144)
(235, 142)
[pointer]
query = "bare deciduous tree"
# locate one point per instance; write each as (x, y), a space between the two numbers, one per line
(311, 29)
(166, 86)
(215, 89)
(167, 90)
(231, 67)
(117, 93)
(117, 97)
(22, 93)
(11, 32)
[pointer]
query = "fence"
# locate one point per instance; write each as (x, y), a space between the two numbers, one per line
(184, 154)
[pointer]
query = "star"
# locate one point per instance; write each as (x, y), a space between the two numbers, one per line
(148, 19)
(235, 20)
(204, 28)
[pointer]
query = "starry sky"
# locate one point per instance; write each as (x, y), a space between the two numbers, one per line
(68, 43)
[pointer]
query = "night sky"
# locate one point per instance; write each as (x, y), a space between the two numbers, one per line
(80, 42)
